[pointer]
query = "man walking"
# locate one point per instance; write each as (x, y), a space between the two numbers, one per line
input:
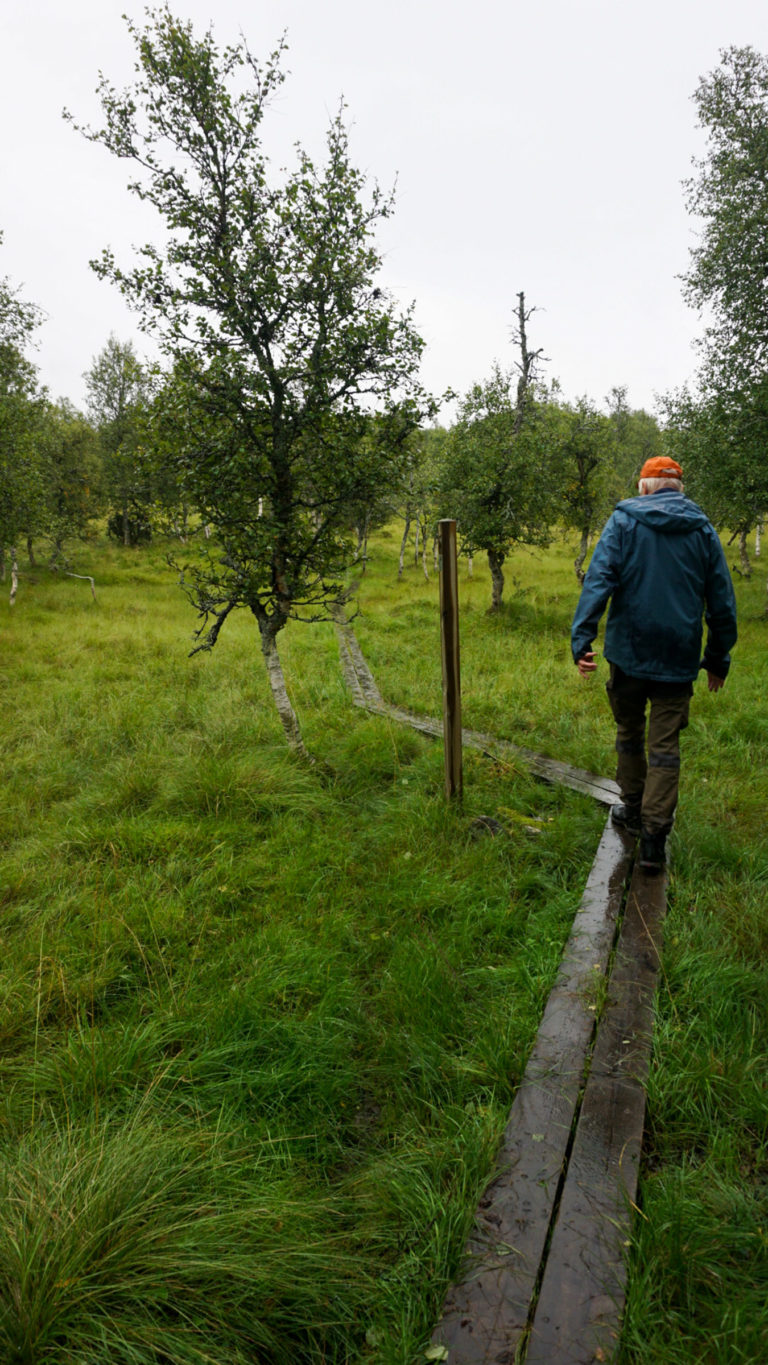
(660, 562)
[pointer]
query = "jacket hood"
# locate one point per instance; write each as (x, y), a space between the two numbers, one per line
(670, 512)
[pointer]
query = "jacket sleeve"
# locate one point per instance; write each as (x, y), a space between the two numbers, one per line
(601, 580)
(720, 613)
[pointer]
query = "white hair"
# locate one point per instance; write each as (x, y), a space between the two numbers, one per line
(655, 485)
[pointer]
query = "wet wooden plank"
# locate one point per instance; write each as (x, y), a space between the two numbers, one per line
(485, 1315)
(602, 789)
(581, 1300)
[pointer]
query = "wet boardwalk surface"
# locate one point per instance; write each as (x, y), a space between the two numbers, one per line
(544, 1275)
(545, 1268)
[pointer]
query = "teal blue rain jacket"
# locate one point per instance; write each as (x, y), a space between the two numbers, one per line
(660, 562)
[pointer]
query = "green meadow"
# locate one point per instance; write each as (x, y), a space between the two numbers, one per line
(262, 1021)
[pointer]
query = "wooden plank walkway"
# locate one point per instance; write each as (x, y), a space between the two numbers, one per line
(545, 1275)
(602, 789)
(365, 694)
(544, 1280)
(581, 1299)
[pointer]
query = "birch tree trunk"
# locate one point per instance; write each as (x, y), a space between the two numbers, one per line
(470, 566)
(288, 717)
(424, 553)
(578, 563)
(14, 575)
(495, 562)
(758, 538)
(746, 567)
(403, 544)
(416, 541)
(361, 549)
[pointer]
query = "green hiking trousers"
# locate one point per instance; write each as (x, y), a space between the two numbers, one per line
(649, 778)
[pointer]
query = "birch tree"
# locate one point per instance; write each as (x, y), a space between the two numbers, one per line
(265, 296)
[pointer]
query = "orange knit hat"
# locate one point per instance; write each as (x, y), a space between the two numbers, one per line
(660, 467)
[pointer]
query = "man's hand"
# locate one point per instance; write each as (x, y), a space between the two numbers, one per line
(587, 665)
(714, 683)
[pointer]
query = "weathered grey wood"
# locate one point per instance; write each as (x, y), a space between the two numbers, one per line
(486, 1314)
(602, 789)
(581, 1300)
(86, 577)
(357, 674)
(348, 670)
(366, 695)
(449, 639)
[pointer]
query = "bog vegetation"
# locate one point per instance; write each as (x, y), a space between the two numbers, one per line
(262, 1021)
(262, 1018)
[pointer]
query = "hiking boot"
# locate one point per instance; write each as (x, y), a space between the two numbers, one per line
(626, 817)
(652, 857)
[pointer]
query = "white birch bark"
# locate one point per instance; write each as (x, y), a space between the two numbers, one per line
(14, 575)
(403, 544)
(288, 717)
(746, 567)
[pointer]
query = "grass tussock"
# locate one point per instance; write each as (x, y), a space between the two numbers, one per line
(135, 1243)
(261, 1022)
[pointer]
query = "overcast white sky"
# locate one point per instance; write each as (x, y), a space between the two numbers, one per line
(537, 144)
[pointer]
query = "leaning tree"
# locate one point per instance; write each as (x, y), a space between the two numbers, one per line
(265, 298)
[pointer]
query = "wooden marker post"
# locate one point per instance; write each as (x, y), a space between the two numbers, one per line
(449, 629)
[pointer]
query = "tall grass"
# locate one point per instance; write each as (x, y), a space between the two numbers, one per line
(261, 1023)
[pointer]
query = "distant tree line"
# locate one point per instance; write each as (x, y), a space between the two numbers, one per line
(286, 420)
(519, 465)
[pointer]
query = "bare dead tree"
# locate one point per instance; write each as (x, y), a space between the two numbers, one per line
(529, 360)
